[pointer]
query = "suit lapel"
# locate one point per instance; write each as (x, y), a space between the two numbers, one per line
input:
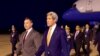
(29, 35)
(46, 36)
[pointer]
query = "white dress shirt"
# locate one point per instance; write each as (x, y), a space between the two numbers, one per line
(13, 34)
(86, 30)
(76, 33)
(28, 31)
(68, 35)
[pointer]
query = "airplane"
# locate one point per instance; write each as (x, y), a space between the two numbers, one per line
(83, 10)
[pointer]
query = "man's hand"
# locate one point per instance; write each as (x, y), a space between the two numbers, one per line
(15, 54)
(16, 45)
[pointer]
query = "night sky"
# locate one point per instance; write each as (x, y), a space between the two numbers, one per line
(14, 12)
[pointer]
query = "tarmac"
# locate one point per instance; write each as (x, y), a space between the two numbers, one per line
(5, 47)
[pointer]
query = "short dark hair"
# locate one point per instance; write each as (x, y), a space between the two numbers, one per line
(28, 18)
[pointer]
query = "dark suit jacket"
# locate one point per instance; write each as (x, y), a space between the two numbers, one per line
(58, 44)
(14, 39)
(31, 44)
(78, 40)
(70, 40)
(88, 37)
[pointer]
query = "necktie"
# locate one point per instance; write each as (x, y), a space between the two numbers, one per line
(24, 37)
(49, 36)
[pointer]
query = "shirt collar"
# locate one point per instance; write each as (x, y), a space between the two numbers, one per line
(54, 26)
(29, 30)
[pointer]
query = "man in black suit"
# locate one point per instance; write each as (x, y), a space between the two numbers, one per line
(14, 39)
(87, 40)
(97, 40)
(77, 40)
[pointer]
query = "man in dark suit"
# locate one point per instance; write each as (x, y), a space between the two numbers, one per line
(69, 37)
(29, 40)
(67, 29)
(54, 39)
(97, 40)
(87, 40)
(14, 39)
(77, 40)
